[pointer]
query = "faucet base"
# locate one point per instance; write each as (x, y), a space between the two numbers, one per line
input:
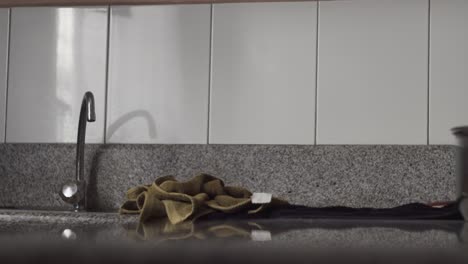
(74, 193)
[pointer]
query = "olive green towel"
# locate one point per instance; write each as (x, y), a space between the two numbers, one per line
(181, 201)
(162, 230)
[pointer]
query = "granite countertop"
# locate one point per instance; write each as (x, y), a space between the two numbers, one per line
(318, 176)
(321, 232)
(103, 234)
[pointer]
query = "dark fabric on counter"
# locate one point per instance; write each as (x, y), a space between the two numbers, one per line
(413, 211)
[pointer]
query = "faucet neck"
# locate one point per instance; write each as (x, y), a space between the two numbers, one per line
(87, 114)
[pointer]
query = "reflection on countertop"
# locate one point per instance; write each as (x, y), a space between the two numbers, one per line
(98, 227)
(66, 234)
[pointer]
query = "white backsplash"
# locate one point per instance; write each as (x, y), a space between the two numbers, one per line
(159, 70)
(56, 55)
(4, 40)
(263, 73)
(372, 78)
(448, 69)
(383, 72)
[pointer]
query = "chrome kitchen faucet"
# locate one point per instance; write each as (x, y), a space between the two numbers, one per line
(74, 192)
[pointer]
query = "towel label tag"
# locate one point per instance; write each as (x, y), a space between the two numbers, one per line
(261, 198)
(260, 235)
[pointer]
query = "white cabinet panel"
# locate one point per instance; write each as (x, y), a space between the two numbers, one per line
(4, 25)
(56, 55)
(449, 69)
(263, 77)
(159, 74)
(372, 77)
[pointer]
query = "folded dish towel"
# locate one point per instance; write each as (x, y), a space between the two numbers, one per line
(181, 201)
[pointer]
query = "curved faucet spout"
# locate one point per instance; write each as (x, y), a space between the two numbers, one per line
(88, 112)
(88, 98)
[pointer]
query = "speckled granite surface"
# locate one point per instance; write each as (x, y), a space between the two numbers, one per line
(371, 176)
(68, 218)
(294, 233)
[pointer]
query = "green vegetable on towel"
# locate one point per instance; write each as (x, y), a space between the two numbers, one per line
(187, 201)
